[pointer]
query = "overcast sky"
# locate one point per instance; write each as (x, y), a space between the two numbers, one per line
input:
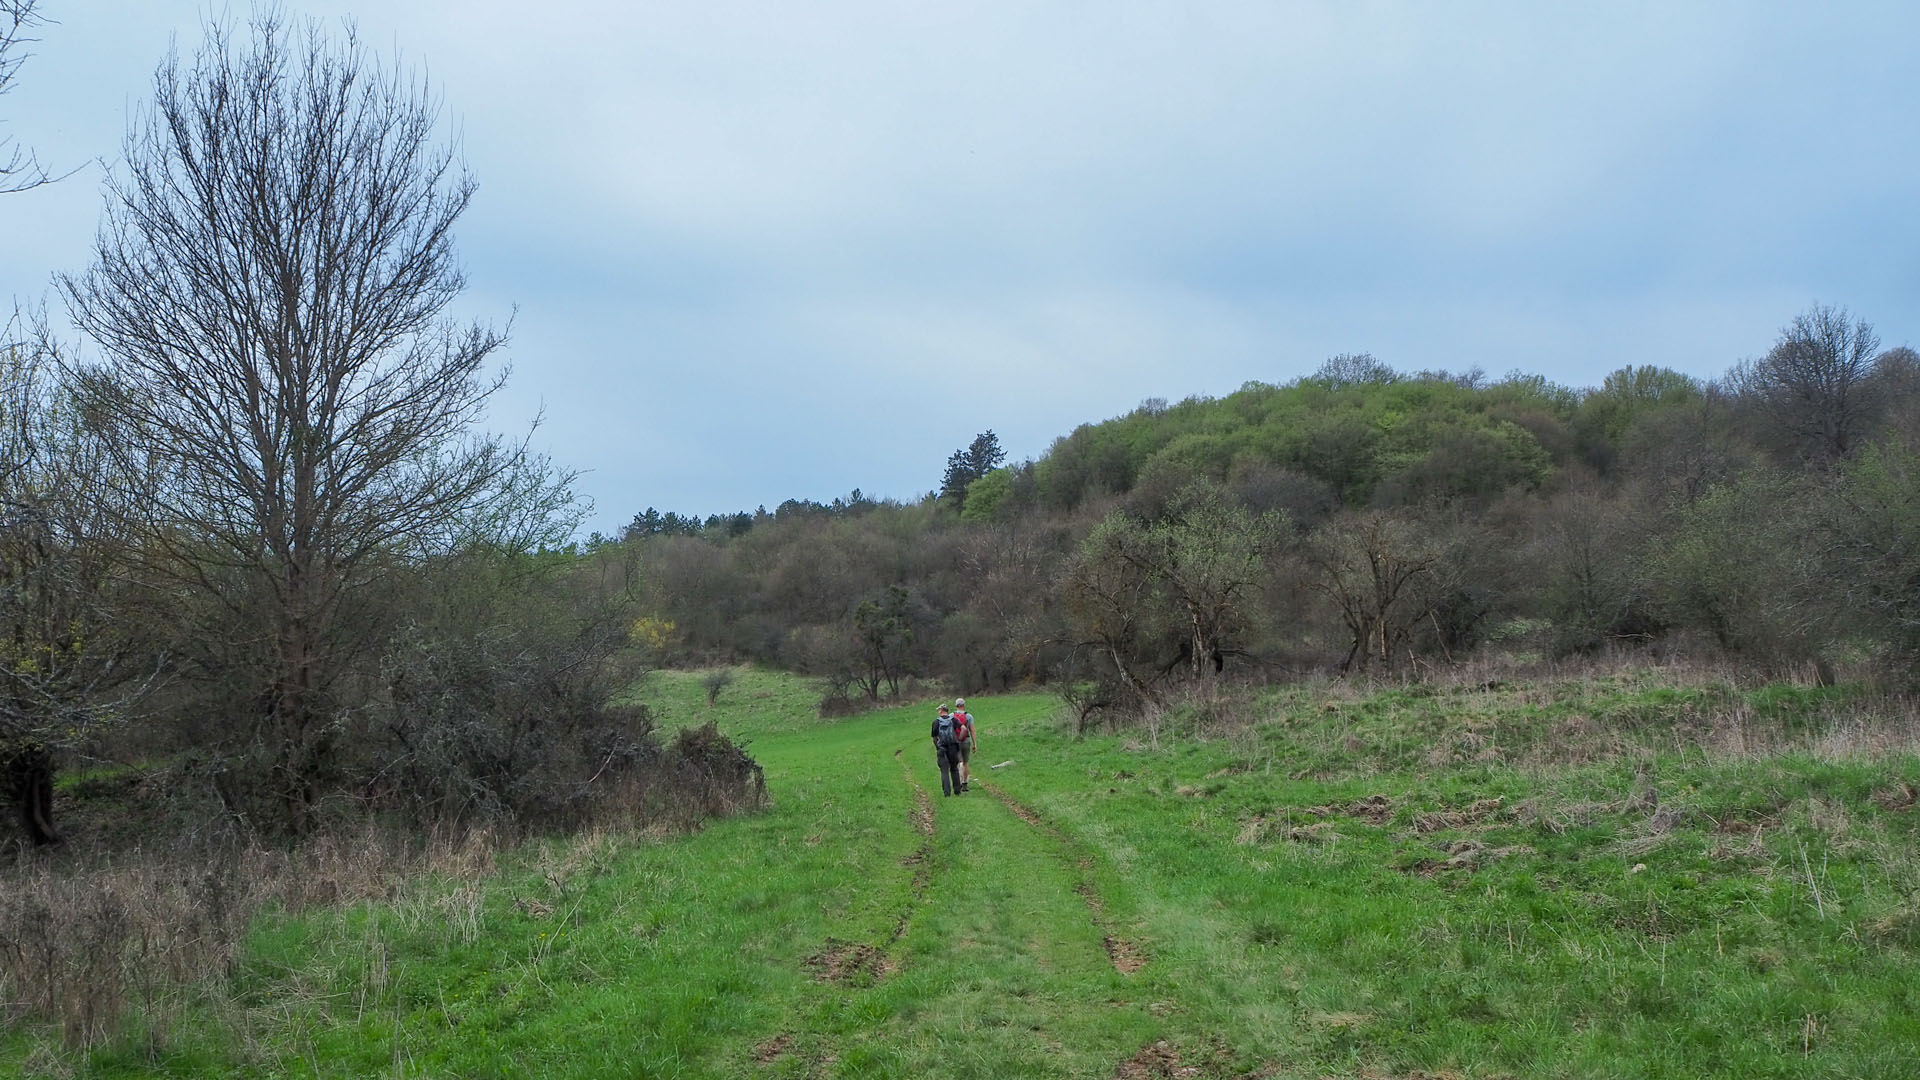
(761, 251)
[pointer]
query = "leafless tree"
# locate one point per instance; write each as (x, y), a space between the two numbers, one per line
(1814, 382)
(1582, 562)
(1354, 369)
(270, 290)
(1112, 610)
(1375, 567)
(19, 169)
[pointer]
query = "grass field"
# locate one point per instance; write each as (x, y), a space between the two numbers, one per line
(1610, 878)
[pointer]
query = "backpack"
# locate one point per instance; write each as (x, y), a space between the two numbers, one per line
(946, 731)
(963, 723)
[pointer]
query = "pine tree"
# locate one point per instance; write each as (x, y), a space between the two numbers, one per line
(981, 457)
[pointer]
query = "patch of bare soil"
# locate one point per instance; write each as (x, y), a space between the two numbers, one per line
(1474, 814)
(843, 961)
(773, 1049)
(1156, 1062)
(1127, 957)
(922, 811)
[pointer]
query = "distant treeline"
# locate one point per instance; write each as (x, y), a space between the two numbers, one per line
(1356, 519)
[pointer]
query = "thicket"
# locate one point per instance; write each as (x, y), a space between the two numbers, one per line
(1359, 519)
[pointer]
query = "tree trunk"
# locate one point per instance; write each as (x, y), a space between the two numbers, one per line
(29, 784)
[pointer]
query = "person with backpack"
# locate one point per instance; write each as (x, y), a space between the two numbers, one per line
(967, 740)
(946, 747)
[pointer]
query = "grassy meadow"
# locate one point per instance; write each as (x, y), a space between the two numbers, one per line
(1631, 875)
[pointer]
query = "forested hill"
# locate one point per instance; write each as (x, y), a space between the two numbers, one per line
(1367, 435)
(1359, 517)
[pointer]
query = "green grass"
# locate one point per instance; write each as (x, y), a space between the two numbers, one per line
(1551, 880)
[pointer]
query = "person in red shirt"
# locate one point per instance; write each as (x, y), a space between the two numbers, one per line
(968, 738)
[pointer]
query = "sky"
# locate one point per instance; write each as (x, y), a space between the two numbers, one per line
(759, 251)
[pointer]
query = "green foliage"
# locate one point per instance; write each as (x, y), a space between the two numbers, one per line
(1628, 394)
(1427, 436)
(985, 495)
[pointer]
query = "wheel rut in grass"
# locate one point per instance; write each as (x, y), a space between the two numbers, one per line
(848, 963)
(921, 860)
(1126, 955)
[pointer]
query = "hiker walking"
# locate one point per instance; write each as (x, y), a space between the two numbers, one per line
(967, 739)
(946, 746)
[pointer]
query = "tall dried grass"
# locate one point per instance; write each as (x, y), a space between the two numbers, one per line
(94, 947)
(121, 941)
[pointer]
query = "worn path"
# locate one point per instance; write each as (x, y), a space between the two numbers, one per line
(1001, 958)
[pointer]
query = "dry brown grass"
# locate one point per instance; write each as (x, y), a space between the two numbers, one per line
(92, 947)
(95, 945)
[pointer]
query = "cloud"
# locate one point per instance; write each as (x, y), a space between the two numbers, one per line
(766, 250)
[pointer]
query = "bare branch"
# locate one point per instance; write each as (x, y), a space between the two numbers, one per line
(270, 289)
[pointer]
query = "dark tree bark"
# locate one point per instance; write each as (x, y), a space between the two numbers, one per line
(27, 775)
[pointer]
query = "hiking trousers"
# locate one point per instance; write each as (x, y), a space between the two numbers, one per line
(949, 769)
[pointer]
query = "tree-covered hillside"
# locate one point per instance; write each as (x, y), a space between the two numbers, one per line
(1358, 518)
